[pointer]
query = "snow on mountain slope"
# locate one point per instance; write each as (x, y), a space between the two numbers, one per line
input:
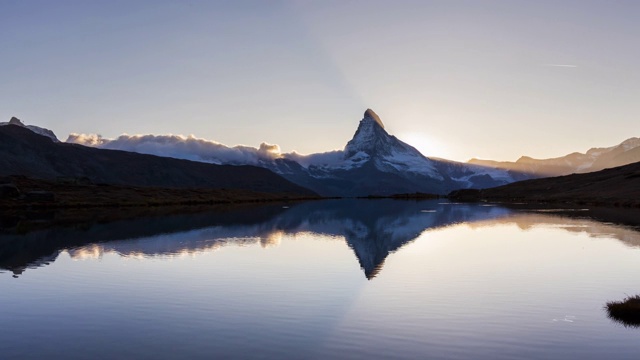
(373, 162)
(38, 130)
(372, 143)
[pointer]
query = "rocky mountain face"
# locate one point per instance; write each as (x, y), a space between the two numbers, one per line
(376, 163)
(373, 162)
(25, 152)
(594, 159)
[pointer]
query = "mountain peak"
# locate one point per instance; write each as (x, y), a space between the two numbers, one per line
(370, 114)
(370, 138)
(38, 130)
(630, 143)
(15, 121)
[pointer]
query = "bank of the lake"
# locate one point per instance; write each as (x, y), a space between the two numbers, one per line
(22, 192)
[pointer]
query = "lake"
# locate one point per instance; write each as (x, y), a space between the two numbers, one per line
(344, 279)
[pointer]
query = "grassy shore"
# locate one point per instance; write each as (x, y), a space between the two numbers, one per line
(36, 193)
(626, 312)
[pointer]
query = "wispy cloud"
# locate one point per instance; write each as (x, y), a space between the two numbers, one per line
(562, 65)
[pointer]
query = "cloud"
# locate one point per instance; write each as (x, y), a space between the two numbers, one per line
(87, 139)
(196, 149)
(327, 158)
(562, 65)
(270, 148)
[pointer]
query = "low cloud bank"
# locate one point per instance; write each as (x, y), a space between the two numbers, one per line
(196, 149)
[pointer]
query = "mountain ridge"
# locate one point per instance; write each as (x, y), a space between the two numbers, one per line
(36, 129)
(373, 162)
(594, 159)
(24, 152)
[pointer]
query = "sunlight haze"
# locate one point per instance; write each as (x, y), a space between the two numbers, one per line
(456, 79)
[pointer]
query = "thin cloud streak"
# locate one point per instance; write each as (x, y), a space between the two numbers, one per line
(562, 65)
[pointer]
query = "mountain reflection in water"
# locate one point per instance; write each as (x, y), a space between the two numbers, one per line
(372, 229)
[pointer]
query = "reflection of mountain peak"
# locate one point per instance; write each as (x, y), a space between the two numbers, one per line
(372, 229)
(372, 251)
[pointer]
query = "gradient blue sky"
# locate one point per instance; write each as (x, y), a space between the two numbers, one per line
(456, 79)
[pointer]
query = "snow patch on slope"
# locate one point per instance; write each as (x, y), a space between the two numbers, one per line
(36, 129)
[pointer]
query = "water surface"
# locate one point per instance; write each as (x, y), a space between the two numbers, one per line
(325, 279)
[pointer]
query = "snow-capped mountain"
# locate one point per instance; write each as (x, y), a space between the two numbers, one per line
(594, 159)
(372, 163)
(38, 130)
(372, 143)
(376, 163)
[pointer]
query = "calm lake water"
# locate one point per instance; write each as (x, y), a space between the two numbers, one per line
(328, 279)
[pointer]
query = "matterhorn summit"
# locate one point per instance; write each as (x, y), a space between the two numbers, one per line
(371, 143)
(369, 137)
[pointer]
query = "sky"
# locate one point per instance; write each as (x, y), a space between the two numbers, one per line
(456, 79)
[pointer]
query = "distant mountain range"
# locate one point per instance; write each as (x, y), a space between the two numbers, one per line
(373, 162)
(593, 160)
(376, 163)
(27, 151)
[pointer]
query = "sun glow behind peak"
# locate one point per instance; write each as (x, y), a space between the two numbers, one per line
(426, 144)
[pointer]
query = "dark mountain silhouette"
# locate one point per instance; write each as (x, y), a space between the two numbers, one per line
(616, 186)
(23, 152)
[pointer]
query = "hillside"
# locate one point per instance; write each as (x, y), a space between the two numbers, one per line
(23, 152)
(594, 159)
(619, 186)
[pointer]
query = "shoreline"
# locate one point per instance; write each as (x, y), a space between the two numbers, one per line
(31, 193)
(488, 195)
